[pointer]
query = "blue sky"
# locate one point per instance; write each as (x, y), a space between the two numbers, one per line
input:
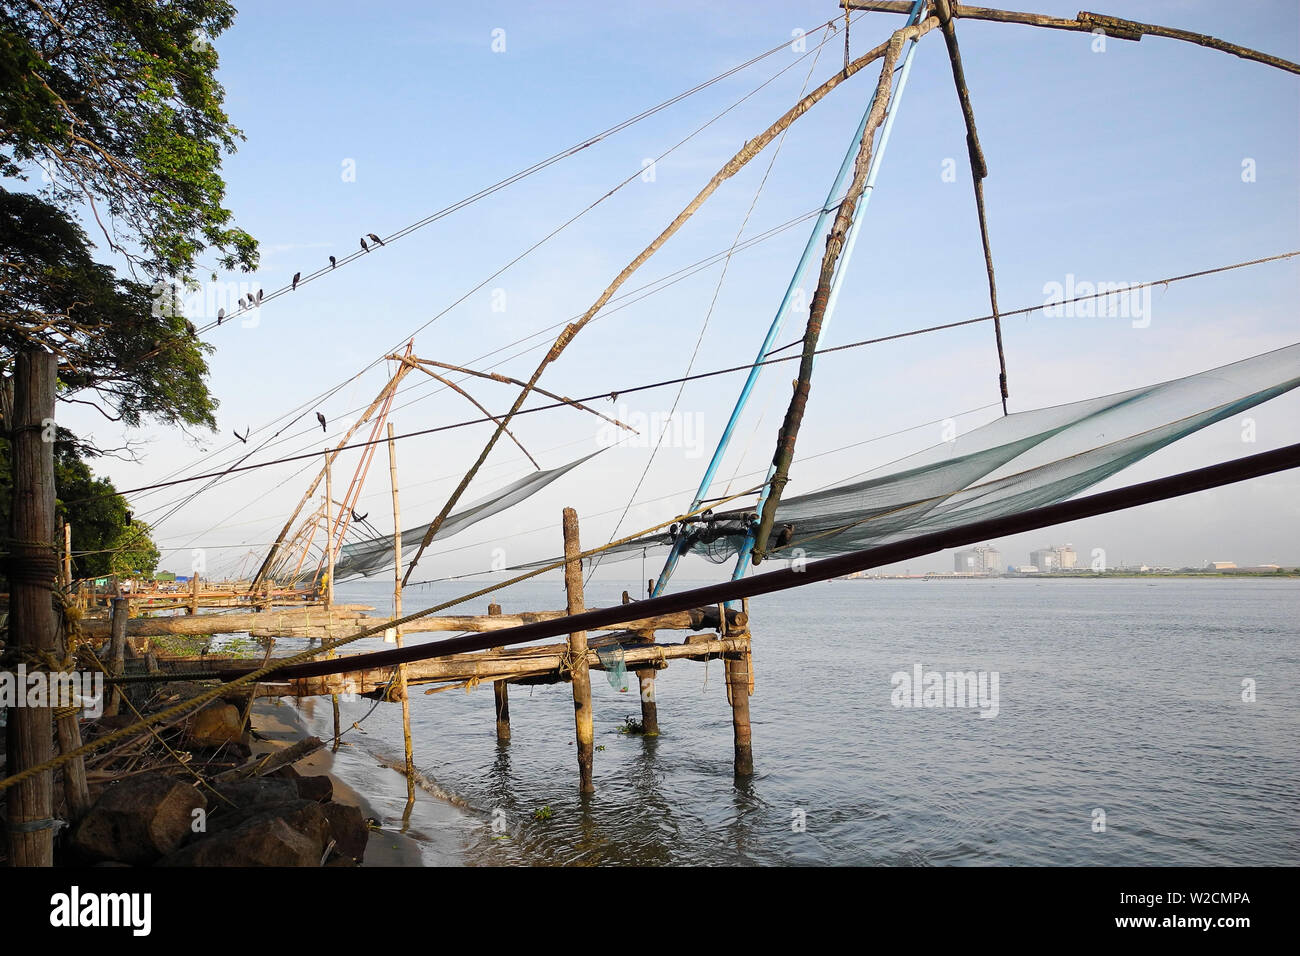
(1122, 165)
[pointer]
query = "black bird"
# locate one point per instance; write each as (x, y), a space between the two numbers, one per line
(243, 303)
(243, 437)
(364, 247)
(259, 296)
(333, 263)
(296, 277)
(374, 238)
(673, 531)
(359, 518)
(189, 327)
(787, 532)
(221, 316)
(321, 418)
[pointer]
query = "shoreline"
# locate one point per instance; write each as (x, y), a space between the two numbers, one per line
(430, 837)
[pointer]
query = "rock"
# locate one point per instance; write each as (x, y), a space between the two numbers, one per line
(348, 829)
(319, 788)
(265, 840)
(255, 792)
(216, 724)
(138, 820)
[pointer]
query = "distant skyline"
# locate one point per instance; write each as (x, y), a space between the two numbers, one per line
(1138, 162)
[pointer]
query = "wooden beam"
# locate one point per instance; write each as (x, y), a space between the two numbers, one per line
(1086, 22)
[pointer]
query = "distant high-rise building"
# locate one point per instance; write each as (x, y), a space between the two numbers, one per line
(1054, 558)
(980, 559)
(1045, 559)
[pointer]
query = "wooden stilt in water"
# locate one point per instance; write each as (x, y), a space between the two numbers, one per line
(501, 694)
(33, 627)
(578, 652)
(738, 683)
(400, 689)
(117, 652)
(194, 593)
(649, 705)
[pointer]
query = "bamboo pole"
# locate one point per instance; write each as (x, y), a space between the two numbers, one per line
(748, 151)
(33, 626)
(327, 591)
(501, 695)
(789, 433)
(117, 652)
(1086, 22)
(193, 607)
(67, 556)
(578, 652)
(401, 693)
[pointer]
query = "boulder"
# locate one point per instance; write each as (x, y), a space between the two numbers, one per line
(319, 788)
(265, 840)
(216, 724)
(348, 829)
(138, 820)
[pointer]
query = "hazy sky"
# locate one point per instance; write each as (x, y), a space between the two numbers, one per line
(1120, 165)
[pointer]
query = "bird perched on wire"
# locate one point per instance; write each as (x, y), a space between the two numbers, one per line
(296, 277)
(359, 518)
(787, 532)
(259, 296)
(321, 418)
(364, 247)
(221, 316)
(243, 303)
(333, 263)
(375, 239)
(243, 437)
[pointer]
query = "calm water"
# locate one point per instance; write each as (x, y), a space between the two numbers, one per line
(1119, 696)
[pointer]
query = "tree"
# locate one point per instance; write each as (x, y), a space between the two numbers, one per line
(106, 539)
(139, 358)
(117, 101)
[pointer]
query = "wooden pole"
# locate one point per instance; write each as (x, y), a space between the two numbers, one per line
(76, 792)
(117, 652)
(501, 695)
(67, 556)
(578, 652)
(194, 593)
(646, 680)
(329, 532)
(738, 680)
(33, 625)
(327, 594)
(401, 693)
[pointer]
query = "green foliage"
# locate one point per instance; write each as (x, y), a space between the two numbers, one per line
(542, 814)
(631, 725)
(118, 101)
(101, 523)
(110, 334)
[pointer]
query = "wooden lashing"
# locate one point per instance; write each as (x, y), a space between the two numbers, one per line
(501, 693)
(578, 653)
